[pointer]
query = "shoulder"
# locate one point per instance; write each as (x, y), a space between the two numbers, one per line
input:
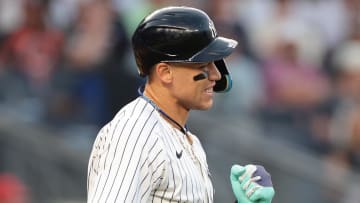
(130, 108)
(138, 120)
(134, 129)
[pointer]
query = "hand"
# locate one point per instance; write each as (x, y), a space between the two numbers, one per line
(251, 184)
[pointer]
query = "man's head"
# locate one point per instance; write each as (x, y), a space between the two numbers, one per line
(182, 35)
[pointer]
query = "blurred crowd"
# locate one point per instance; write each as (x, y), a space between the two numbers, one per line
(296, 70)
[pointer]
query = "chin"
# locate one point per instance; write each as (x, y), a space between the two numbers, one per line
(205, 106)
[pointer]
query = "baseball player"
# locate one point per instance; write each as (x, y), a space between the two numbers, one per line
(146, 153)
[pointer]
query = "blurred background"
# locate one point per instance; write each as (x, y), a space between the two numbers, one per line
(66, 68)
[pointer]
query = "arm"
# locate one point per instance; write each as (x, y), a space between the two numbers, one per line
(251, 184)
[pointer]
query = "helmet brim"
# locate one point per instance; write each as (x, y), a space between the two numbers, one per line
(218, 49)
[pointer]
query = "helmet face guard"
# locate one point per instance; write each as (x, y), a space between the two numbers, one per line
(181, 34)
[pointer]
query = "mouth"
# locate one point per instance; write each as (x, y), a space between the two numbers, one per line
(209, 90)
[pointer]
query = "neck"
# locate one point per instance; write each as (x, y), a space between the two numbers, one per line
(167, 104)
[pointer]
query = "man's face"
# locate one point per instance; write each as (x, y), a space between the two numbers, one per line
(190, 93)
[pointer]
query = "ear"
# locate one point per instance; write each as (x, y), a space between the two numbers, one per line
(163, 72)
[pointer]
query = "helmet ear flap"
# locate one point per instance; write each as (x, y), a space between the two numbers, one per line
(225, 83)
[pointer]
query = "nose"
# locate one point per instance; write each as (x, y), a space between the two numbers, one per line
(214, 73)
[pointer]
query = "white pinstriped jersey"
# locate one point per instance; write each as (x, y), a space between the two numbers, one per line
(140, 157)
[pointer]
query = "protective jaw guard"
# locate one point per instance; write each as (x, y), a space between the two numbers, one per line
(225, 83)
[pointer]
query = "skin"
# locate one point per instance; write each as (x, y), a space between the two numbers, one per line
(172, 87)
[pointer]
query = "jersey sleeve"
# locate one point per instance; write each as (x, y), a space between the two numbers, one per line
(126, 165)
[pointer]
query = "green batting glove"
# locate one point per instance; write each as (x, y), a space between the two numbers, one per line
(251, 184)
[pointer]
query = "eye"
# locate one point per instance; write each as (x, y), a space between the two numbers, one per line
(204, 68)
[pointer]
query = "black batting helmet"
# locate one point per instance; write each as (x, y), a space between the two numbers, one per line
(181, 34)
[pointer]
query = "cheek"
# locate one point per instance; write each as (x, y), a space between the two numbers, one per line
(183, 82)
(189, 91)
(185, 88)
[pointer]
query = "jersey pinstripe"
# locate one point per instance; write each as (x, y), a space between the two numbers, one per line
(140, 157)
